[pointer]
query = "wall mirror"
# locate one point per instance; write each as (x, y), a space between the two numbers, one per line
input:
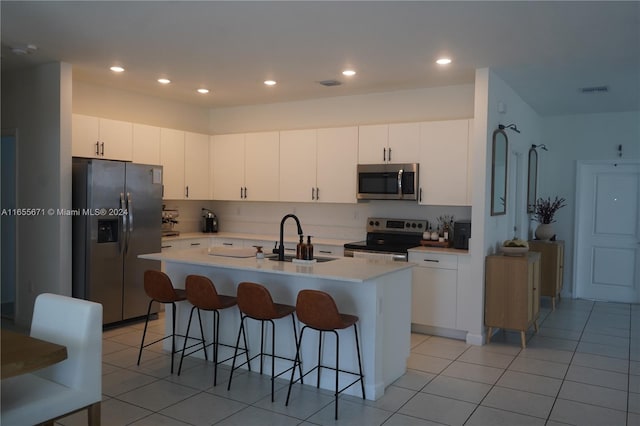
(532, 182)
(499, 173)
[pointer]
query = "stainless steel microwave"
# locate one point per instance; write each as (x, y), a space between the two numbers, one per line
(387, 181)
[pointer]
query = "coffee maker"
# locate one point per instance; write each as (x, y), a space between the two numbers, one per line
(209, 222)
(461, 234)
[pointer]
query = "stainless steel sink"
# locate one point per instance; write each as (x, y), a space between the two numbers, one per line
(289, 258)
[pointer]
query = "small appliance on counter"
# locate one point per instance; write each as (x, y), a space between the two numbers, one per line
(461, 234)
(168, 222)
(210, 221)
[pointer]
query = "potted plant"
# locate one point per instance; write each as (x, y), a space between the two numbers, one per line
(544, 211)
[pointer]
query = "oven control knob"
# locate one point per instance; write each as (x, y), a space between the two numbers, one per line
(419, 226)
(407, 225)
(370, 223)
(377, 223)
(413, 225)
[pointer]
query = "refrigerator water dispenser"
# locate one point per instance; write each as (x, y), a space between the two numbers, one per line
(107, 230)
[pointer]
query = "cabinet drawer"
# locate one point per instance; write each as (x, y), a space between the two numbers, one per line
(434, 260)
(327, 250)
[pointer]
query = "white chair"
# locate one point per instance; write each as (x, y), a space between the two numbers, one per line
(68, 386)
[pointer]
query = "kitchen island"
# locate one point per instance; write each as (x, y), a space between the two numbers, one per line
(379, 293)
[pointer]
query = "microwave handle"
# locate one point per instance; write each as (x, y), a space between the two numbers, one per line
(400, 183)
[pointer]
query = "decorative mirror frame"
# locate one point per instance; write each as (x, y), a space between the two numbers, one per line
(532, 181)
(499, 188)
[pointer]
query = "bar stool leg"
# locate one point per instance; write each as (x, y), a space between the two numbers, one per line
(184, 346)
(173, 335)
(320, 335)
(355, 328)
(216, 331)
(295, 336)
(235, 352)
(293, 370)
(204, 346)
(273, 358)
(337, 368)
(144, 333)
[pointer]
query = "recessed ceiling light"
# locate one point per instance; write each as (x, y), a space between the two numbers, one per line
(117, 69)
(349, 73)
(164, 81)
(203, 91)
(270, 82)
(443, 61)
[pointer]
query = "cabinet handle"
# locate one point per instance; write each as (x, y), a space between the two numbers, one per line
(195, 244)
(241, 193)
(102, 149)
(227, 244)
(432, 260)
(245, 192)
(166, 246)
(389, 154)
(384, 154)
(326, 251)
(97, 147)
(313, 193)
(187, 192)
(317, 194)
(420, 194)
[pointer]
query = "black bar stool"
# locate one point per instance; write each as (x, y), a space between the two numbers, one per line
(159, 288)
(317, 310)
(255, 302)
(202, 294)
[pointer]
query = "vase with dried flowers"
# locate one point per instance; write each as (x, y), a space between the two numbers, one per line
(545, 209)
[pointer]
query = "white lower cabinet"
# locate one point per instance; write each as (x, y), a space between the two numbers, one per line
(434, 289)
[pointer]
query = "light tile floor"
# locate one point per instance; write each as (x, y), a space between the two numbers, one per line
(582, 368)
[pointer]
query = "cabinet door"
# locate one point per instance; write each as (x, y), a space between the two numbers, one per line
(196, 166)
(298, 165)
(117, 137)
(404, 143)
(434, 295)
(227, 163)
(85, 136)
(444, 167)
(262, 166)
(172, 160)
(146, 144)
(337, 157)
(373, 141)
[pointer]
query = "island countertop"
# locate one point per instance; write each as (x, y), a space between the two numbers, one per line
(339, 269)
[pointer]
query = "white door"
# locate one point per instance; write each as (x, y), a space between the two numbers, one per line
(607, 243)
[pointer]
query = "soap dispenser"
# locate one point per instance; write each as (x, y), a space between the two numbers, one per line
(308, 250)
(301, 248)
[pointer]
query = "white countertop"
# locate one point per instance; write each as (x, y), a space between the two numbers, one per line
(340, 269)
(262, 237)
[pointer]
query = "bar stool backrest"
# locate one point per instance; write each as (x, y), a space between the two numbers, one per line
(318, 310)
(158, 286)
(201, 293)
(255, 301)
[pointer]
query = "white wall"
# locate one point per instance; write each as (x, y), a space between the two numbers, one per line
(487, 231)
(580, 137)
(107, 102)
(440, 103)
(37, 102)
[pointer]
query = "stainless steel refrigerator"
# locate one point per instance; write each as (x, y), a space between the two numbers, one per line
(117, 215)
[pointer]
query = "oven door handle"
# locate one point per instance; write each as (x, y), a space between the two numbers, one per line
(400, 183)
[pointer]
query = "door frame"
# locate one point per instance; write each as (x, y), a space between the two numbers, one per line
(580, 166)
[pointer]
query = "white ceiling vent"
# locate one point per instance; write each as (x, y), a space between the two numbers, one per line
(330, 83)
(594, 89)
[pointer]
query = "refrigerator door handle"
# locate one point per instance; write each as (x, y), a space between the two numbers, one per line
(130, 219)
(123, 229)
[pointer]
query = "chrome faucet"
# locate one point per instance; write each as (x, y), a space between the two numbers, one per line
(281, 248)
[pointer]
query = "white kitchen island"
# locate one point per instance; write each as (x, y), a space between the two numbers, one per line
(379, 293)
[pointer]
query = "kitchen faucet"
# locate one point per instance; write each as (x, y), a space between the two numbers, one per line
(281, 248)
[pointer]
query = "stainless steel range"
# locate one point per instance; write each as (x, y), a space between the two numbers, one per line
(388, 239)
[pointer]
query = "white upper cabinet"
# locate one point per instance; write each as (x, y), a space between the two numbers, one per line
(262, 166)
(319, 165)
(337, 159)
(227, 167)
(95, 137)
(444, 163)
(404, 143)
(196, 169)
(389, 143)
(146, 144)
(172, 160)
(373, 142)
(298, 165)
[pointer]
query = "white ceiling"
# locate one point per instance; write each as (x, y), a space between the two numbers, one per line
(545, 50)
